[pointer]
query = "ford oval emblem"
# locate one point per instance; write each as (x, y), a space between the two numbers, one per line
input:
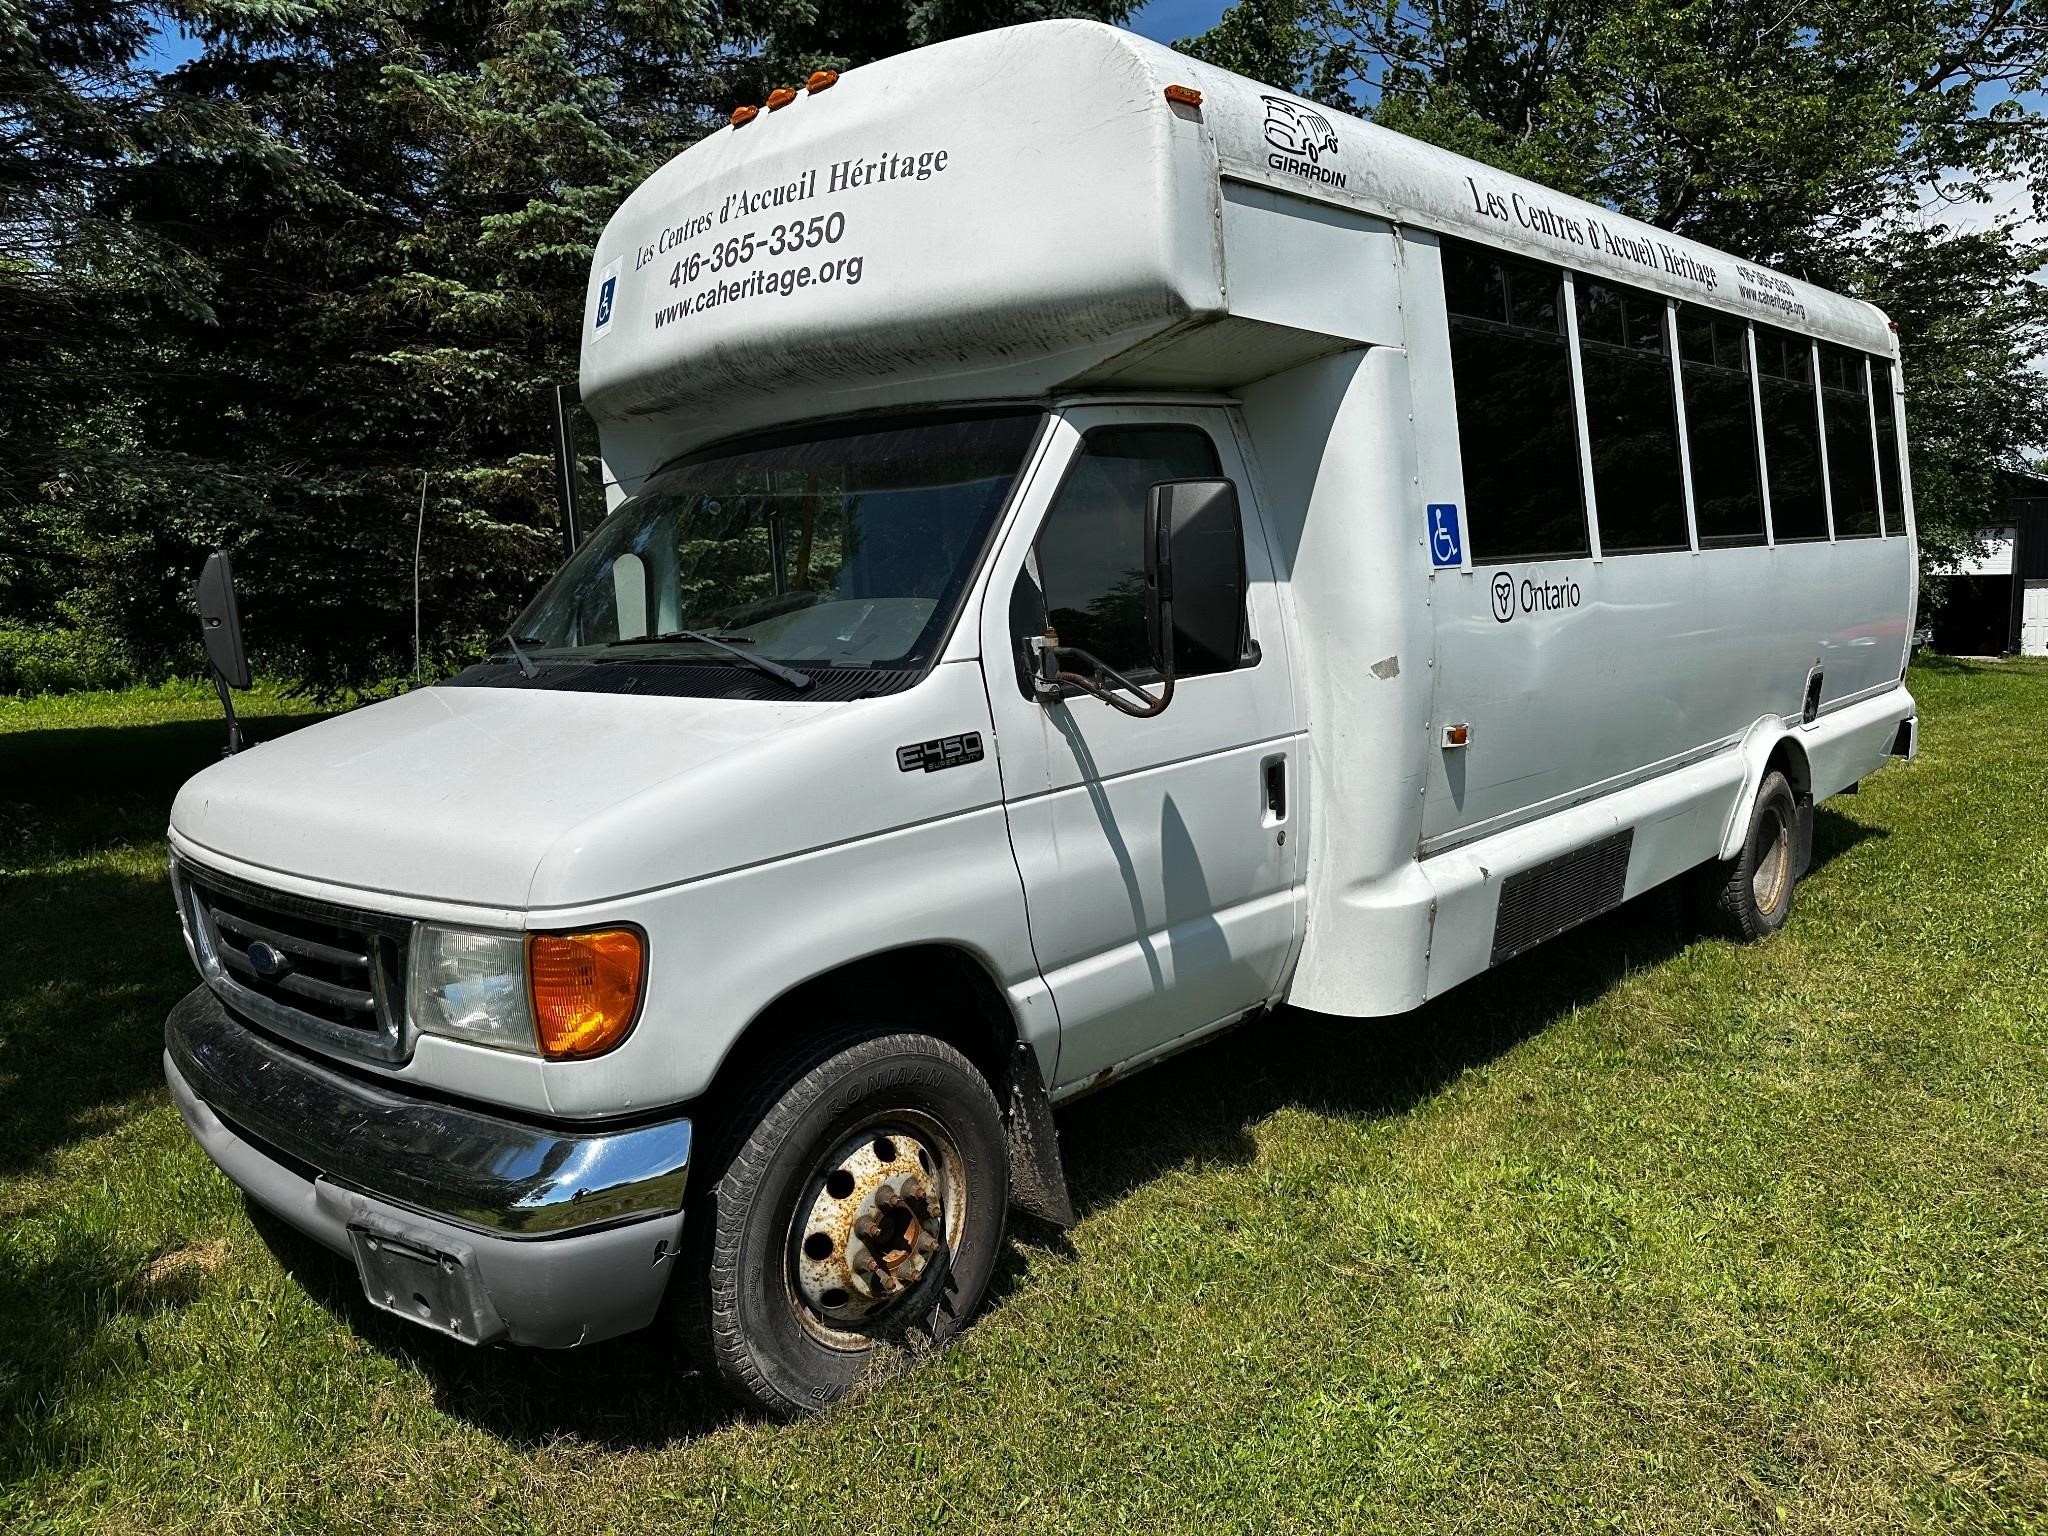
(268, 960)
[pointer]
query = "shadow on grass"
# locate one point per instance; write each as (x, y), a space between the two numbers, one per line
(70, 1310)
(1954, 666)
(90, 955)
(634, 1393)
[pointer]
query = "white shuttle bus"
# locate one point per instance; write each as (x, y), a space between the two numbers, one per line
(1097, 548)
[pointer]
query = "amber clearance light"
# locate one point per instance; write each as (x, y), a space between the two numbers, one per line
(585, 989)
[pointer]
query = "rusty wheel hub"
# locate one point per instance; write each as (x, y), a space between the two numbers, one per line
(873, 1228)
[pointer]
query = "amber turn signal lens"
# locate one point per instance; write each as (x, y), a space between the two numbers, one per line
(821, 80)
(741, 116)
(1186, 95)
(780, 97)
(585, 989)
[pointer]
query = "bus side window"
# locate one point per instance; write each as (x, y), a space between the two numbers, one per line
(1852, 465)
(1791, 435)
(1720, 427)
(1517, 427)
(1631, 418)
(1883, 380)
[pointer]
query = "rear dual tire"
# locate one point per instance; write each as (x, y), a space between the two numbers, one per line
(827, 1149)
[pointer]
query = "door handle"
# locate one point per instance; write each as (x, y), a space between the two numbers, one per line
(1275, 776)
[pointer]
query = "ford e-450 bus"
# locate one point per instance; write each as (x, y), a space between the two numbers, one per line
(1096, 548)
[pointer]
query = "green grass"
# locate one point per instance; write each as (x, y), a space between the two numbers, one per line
(1641, 1233)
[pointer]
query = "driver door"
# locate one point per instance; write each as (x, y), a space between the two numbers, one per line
(1160, 876)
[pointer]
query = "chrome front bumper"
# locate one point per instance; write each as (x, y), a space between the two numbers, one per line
(552, 1236)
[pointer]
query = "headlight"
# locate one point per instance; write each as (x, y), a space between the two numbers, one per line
(471, 986)
(559, 995)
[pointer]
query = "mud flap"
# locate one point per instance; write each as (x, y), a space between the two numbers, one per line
(1038, 1180)
(1802, 836)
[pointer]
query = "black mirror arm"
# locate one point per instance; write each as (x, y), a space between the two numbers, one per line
(227, 704)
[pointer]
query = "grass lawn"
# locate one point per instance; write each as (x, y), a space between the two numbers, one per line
(1641, 1232)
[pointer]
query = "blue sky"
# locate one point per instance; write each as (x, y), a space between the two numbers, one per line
(1168, 21)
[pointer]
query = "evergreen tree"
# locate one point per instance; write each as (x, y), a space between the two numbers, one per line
(359, 235)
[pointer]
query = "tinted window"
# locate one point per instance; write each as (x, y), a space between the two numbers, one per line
(1884, 381)
(1091, 550)
(1852, 463)
(1720, 427)
(1631, 418)
(1791, 435)
(1517, 430)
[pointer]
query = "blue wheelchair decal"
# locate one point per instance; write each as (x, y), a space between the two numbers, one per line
(1445, 547)
(604, 302)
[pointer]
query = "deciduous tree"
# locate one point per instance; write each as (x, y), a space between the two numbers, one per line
(1851, 142)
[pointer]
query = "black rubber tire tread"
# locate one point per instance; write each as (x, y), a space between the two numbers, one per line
(1729, 888)
(710, 1285)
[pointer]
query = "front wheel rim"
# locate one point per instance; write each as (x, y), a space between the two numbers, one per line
(874, 1225)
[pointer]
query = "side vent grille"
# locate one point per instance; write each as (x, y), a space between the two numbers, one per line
(1560, 893)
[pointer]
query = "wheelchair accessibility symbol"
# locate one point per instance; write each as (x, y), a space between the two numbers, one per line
(1445, 548)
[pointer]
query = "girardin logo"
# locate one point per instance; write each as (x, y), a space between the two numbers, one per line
(1300, 137)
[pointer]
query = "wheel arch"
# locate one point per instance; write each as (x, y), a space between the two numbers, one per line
(1769, 747)
(938, 988)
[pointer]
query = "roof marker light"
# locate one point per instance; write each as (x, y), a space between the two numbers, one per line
(821, 80)
(780, 97)
(741, 116)
(1184, 95)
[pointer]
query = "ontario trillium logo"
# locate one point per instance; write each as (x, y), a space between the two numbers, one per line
(1503, 596)
(1301, 138)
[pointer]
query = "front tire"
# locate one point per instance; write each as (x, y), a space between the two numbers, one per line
(1749, 897)
(856, 1218)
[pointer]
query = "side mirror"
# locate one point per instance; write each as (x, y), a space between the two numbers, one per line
(1194, 600)
(220, 628)
(1194, 574)
(220, 624)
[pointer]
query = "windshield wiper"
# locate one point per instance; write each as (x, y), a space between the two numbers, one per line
(789, 675)
(683, 634)
(526, 666)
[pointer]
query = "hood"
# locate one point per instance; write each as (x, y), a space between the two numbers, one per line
(464, 794)
(536, 799)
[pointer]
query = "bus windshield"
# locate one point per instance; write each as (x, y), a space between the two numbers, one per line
(847, 547)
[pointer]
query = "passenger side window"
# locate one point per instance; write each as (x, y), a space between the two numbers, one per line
(1720, 428)
(1852, 464)
(1091, 549)
(1791, 435)
(1631, 419)
(1883, 380)
(1517, 427)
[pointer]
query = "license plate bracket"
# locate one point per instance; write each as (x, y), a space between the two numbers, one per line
(431, 1284)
